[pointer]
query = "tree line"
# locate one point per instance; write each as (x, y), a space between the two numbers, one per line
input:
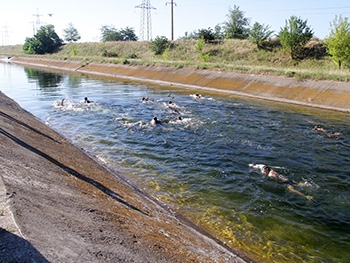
(293, 36)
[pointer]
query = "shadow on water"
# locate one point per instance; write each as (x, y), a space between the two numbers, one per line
(16, 249)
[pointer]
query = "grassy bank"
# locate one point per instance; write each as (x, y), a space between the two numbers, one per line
(229, 55)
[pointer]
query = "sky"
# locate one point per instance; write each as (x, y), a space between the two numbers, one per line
(20, 18)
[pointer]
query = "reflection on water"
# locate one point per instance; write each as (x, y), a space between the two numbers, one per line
(44, 79)
(200, 164)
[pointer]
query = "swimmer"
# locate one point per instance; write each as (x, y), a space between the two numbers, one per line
(86, 100)
(155, 121)
(144, 99)
(62, 102)
(196, 96)
(329, 133)
(280, 179)
(175, 111)
(172, 104)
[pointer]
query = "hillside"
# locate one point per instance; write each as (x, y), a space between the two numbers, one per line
(228, 55)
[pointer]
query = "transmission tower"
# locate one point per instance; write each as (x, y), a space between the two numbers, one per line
(37, 20)
(146, 20)
(5, 36)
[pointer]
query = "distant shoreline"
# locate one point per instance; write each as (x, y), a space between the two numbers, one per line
(324, 94)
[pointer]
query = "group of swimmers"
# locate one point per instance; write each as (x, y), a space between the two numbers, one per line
(266, 170)
(170, 105)
(86, 100)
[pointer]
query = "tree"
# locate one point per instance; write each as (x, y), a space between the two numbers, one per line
(110, 33)
(218, 32)
(31, 46)
(44, 41)
(128, 34)
(259, 34)
(237, 25)
(71, 34)
(295, 35)
(338, 42)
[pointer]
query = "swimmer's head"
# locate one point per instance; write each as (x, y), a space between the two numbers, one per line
(317, 127)
(266, 169)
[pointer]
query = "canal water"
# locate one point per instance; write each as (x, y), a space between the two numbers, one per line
(199, 165)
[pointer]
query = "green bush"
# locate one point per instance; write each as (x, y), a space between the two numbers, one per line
(159, 45)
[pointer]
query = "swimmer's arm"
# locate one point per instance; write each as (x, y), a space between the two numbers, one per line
(256, 166)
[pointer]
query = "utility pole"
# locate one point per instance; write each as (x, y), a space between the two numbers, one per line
(146, 14)
(172, 18)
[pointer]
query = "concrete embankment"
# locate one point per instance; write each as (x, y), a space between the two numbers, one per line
(324, 94)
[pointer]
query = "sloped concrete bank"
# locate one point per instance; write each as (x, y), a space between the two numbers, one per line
(331, 95)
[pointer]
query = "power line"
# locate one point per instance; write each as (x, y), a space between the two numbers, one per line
(146, 15)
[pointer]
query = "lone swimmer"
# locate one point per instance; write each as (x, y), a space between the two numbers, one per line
(280, 179)
(86, 100)
(329, 133)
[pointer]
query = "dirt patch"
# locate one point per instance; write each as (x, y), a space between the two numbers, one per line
(57, 204)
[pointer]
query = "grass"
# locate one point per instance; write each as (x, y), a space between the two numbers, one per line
(228, 55)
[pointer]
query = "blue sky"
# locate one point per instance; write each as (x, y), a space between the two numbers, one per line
(18, 18)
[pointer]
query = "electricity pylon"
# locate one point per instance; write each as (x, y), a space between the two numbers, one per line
(146, 19)
(38, 24)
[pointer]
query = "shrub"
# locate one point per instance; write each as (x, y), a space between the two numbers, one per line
(159, 45)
